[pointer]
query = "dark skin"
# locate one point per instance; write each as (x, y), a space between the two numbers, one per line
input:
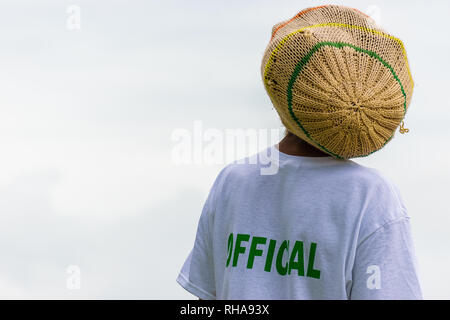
(294, 146)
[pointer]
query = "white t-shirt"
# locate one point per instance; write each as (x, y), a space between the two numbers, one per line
(320, 228)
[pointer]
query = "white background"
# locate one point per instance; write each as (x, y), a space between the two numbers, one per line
(86, 118)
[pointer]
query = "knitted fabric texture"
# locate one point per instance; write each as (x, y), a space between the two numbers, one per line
(337, 80)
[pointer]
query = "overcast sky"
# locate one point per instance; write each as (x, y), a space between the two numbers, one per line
(87, 112)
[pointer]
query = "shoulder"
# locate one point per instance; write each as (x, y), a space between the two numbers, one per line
(236, 176)
(352, 171)
(382, 202)
(354, 181)
(241, 169)
(382, 188)
(369, 180)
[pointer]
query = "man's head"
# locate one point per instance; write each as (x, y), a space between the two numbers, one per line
(337, 80)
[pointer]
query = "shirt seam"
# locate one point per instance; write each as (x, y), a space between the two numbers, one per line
(188, 282)
(390, 222)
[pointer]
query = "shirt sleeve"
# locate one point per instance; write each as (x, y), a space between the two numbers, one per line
(197, 273)
(385, 265)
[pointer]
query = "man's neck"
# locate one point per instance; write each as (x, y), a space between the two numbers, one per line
(293, 145)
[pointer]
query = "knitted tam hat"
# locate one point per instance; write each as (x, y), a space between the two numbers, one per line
(337, 80)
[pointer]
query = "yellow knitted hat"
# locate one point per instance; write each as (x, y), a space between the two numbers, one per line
(337, 80)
